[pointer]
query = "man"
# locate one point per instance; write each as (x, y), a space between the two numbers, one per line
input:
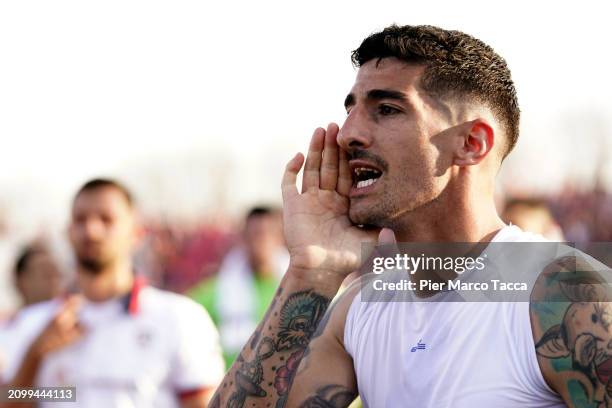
(37, 279)
(430, 118)
(121, 343)
(37, 275)
(238, 296)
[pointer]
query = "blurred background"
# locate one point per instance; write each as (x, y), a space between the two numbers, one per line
(196, 107)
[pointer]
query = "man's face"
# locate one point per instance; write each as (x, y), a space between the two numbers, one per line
(263, 237)
(102, 230)
(41, 279)
(391, 134)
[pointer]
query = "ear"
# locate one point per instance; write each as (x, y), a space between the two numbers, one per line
(69, 233)
(478, 139)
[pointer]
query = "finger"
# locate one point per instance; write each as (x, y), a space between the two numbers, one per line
(67, 315)
(292, 169)
(329, 164)
(65, 320)
(345, 179)
(73, 302)
(313, 161)
(387, 244)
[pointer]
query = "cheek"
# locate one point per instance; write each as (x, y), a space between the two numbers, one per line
(74, 236)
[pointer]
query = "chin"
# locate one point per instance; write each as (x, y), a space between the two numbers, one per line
(92, 265)
(367, 217)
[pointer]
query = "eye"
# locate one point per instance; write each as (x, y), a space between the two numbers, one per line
(387, 110)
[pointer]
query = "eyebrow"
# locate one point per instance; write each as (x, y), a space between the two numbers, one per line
(377, 94)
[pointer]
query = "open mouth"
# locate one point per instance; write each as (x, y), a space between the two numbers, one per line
(364, 174)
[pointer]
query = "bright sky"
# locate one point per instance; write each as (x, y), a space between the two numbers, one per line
(92, 87)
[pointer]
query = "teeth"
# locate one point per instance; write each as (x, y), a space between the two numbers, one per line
(360, 170)
(365, 183)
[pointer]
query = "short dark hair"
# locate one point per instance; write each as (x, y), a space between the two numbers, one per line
(25, 256)
(99, 183)
(261, 210)
(456, 65)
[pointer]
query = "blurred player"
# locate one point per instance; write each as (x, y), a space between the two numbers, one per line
(37, 279)
(37, 275)
(121, 343)
(237, 298)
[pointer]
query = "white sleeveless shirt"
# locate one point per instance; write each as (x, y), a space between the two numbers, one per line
(471, 354)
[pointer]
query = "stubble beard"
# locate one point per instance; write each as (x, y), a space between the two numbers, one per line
(378, 215)
(93, 266)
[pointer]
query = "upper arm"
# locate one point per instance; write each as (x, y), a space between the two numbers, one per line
(325, 375)
(571, 317)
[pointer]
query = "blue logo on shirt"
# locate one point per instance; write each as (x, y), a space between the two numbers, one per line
(420, 346)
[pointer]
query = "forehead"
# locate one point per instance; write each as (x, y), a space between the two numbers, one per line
(39, 257)
(261, 221)
(101, 200)
(387, 73)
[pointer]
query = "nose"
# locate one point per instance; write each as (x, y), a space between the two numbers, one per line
(356, 130)
(93, 228)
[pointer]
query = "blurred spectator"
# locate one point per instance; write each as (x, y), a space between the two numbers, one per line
(8, 252)
(176, 258)
(37, 275)
(584, 215)
(533, 215)
(120, 343)
(239, 295)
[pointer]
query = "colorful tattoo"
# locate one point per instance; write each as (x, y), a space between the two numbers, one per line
(578, 338)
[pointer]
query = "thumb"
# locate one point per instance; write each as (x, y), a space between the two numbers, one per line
(386, 236)
(387, 244)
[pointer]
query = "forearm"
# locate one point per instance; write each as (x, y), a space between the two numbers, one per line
(265, 368)
(25, 377)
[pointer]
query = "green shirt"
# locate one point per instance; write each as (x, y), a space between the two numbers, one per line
(206, 293)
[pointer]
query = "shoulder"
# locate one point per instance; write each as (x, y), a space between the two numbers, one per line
(33, 318)
(571, 318)
(173, 306)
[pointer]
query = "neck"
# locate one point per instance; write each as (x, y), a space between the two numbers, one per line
(457, 215)
(112, 282)
(262, 270)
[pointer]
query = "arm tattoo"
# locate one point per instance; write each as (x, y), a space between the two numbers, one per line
(577, 338)
(330, 396)
(298, 318)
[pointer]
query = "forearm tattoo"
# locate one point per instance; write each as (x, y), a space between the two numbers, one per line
(298, 319)
(330, 396)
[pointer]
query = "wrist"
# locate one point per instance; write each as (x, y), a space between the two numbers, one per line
(321, 280)
(36, 352)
